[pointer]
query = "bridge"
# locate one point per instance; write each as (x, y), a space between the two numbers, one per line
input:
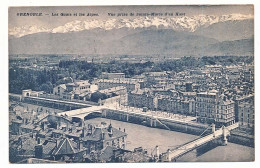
(84, 112)
(173, 154)
(130, 115)
(55, 103)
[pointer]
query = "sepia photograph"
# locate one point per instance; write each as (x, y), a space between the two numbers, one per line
(131, 84)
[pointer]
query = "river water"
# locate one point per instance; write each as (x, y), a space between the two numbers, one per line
(148, 138)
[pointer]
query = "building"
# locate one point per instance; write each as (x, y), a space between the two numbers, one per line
(120, 90)
(115, 95)
(57, 138)
(106, 75)
(214, 108)
(142, 98)
(157, 78)
(29, 92)
(241, 100)
(128, 83)
(74, 90)
(177, 105)
(99, 137)
(246, 114)
(188, 87)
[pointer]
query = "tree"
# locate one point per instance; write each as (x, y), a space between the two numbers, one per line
(46, 87)
(97, 95)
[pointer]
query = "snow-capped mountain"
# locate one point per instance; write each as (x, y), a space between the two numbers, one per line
(25, 30)
(186, 23)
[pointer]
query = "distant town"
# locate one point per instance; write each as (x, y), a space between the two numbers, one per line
(72, 108)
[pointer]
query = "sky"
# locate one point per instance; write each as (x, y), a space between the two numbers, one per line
(49, 21)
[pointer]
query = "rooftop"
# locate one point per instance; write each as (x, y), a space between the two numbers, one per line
(103, 133)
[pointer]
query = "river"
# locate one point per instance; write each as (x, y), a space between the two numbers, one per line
(148, 138)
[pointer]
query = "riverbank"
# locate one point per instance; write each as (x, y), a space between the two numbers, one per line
(149, 137)
(188, 127)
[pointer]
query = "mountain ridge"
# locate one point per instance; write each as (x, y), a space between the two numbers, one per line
(190, 24)
(120, 41)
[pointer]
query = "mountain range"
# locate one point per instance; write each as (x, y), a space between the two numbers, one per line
(181, 36)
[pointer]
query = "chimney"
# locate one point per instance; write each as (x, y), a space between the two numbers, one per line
(64, 129)
(57, 143)
(103, 136)
(43, 126)
(38, 141)
(21, 142)
(83, 132)
(79, 146)
(36, 136)
(74, 126)
(157, 151)
(38, 149)
(91, 129)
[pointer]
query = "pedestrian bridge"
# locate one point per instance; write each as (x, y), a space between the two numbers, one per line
(173, 154)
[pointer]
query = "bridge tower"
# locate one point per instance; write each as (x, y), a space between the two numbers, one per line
(157, 153)
(213, 128)
(104, 113)
(224, 132)
(152, 122)
(166, 156)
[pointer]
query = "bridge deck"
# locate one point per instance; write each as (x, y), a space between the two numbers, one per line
(175, 153)
(82, 111)
(146, 114)
(60, 101)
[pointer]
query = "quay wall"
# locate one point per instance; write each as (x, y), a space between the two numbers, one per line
(245, 140)
(15, 97)
(53, 104)
(189, 128)
(179, 126)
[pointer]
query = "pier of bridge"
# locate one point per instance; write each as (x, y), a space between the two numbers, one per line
(222, 133)
(82, 113)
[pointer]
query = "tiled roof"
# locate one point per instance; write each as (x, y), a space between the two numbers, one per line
(26, 115)
(48, 148)
(28, 144)
(106, 153)
(27, 126)
(17, 121)
(37, 129)
(97, 134)
(66, 146)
